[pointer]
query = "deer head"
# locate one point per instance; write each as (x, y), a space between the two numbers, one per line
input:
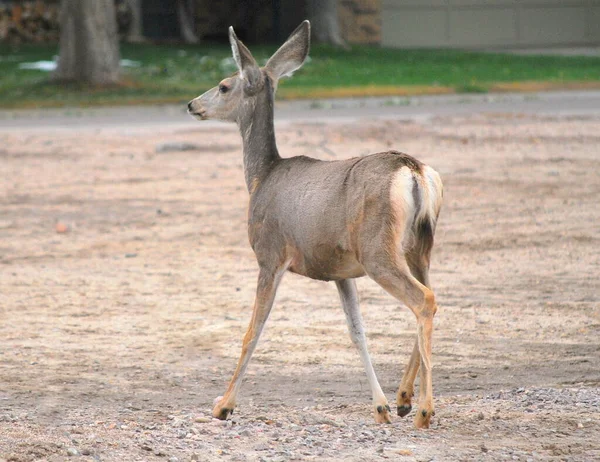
(238, 94)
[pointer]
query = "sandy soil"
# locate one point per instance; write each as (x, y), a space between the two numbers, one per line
(116, 336)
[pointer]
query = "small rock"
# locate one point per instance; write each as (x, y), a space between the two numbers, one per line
(195, 457)
(174, 459)
(202, 420)
(61, 228)
(178, 423)
(177, 147)
(327, 421)
(72, 452)
(220, 423)
(480, 416)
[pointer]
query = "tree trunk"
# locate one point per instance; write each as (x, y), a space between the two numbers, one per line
(136, 33)
(186, 17)
(89, 44)
(324, 20)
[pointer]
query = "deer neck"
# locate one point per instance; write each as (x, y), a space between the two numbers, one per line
(258, 135)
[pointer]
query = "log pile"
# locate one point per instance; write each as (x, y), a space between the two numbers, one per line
(34, 22)
(37, 21)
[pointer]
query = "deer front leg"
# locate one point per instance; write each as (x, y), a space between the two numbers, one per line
(349, 297)
(268, 281)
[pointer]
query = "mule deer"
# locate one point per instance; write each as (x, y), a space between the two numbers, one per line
(332, 221)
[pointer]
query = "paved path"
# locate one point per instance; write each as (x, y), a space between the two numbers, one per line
(171, 116)
(591, 51)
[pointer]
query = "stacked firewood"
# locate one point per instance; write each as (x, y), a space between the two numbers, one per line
(34, 21)
(37, 21)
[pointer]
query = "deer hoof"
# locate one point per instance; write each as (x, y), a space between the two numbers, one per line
(220, 411)
(404, 409)
(404, 402)
(423, 418)
(383, 414)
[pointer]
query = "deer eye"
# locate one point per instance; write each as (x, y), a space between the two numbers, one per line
(223, 88)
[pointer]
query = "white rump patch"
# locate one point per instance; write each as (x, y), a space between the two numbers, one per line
(403, 203)
(433, 198)
(429, 187)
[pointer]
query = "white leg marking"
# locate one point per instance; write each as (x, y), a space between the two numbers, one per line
(349, 297)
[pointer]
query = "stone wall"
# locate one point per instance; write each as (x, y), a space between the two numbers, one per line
(360, 21)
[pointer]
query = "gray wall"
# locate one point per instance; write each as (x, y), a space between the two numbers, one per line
(490, 23)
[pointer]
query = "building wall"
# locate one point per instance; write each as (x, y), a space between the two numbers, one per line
(490, 23)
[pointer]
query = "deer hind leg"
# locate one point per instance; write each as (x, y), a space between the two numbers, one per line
(349, 298)
(268, 281)
(419, 267)
(406, 390)
(397, 280)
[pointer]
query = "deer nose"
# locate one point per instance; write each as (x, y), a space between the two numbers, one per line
(190, 106)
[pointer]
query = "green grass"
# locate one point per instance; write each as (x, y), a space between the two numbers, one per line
(173, 73)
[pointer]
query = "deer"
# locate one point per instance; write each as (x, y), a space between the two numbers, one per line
(336, 220)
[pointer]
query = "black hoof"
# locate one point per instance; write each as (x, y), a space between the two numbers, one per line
(404, 410)
(225, 412)
(381, 408)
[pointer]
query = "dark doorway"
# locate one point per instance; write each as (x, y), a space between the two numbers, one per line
(159, 19)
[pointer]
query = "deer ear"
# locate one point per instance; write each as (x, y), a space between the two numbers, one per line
(249, 70)
(292, 54)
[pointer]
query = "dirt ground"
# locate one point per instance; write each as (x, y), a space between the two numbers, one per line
(116, 336)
